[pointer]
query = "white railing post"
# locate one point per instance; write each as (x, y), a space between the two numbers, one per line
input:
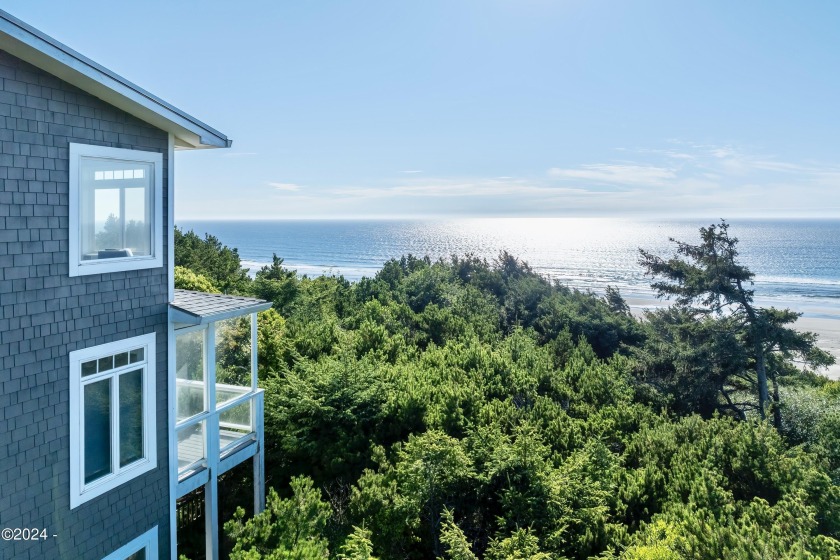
(253, 351)
(211, 489)
(211, 452)
(172, 410)
(259, 457)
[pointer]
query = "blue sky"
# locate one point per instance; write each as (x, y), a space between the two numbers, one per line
(485, 107)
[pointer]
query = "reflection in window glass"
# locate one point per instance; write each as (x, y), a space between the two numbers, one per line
(121, 360)
(115, 208)
(131, 417)
(233, 358)
(106, 363)
(136, 230)
(89, 368)
(97, 413)
(107, 224)
(139, 555)
(189, 374)
(136, 355)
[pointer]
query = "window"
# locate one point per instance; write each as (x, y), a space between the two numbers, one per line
(112, 416)
(144, 547)
(116, 211)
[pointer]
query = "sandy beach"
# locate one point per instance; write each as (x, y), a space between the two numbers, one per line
(822, 321)
(829, 333)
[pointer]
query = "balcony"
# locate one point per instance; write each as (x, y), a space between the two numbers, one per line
(215, 407)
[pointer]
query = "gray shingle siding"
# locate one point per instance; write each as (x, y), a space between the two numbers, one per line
(45, 314)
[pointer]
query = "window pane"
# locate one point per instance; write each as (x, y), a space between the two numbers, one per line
(106, 363)
(97, 403)
(131, 417)
(234, 423)
(89, 368)
(139, 555)
(107, 220)
(121, 360)
(189, 374)
(137, 223)
(115, 208)
(233, 358)
(190, 445)
(136, 355)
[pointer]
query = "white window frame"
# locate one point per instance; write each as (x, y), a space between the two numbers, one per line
(82, 268)
(79, 491)
(148, 540)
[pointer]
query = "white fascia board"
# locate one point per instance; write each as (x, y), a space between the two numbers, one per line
(38, 49)
(180, 316)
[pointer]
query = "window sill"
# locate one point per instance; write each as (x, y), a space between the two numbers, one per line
(108, 483)
(104, 266)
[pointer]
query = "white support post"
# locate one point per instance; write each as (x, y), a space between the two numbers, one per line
(211, 451)
(171, 405)
(259, 458)
(170, 218)
(257, 423)
(170, 373)
(253, 351)
(211, 511)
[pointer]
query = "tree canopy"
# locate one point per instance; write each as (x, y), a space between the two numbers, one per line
(465, 409)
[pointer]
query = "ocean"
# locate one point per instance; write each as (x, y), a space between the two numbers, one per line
(796, 262)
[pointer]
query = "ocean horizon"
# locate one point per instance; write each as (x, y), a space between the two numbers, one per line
(796, 261)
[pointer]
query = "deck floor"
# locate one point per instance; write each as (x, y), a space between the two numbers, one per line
(191, 448)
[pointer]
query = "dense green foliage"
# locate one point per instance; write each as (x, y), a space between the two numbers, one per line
(466, 409)
(209, 258)
(186, 279)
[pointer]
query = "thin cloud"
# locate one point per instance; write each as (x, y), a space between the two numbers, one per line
(676, 179)
(412, 171)
(449, 188)
(616, 174)
(285, 186)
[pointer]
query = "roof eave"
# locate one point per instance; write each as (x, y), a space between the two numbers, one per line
(44, 52)
(178, 315)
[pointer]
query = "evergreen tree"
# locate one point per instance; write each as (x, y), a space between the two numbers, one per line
(707, 279)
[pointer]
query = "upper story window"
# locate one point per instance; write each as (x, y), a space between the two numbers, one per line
(116, 209)
(112, 415)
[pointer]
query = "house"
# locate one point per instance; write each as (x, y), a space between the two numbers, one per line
(119, 394)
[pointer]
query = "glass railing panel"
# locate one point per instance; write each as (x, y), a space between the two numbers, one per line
(190, 374)
(191, 445)
(233, 358)
(235, 423)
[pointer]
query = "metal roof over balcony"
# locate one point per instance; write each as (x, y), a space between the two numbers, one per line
(198, 308)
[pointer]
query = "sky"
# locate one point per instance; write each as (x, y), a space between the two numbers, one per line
(446, 108)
